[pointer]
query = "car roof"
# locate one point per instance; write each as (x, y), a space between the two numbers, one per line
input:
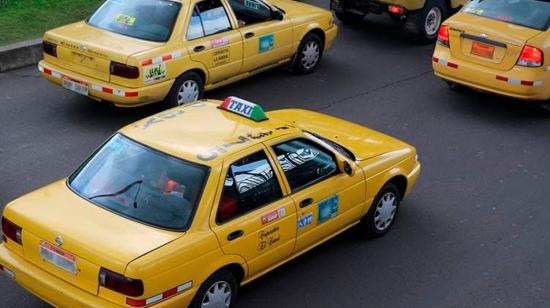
(203, 133)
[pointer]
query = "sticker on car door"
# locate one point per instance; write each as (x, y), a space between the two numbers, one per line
(266, 42)
(328, 209)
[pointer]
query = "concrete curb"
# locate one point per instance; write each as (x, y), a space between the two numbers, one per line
(20, 55)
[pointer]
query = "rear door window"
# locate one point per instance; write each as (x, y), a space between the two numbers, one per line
(151, 20)
(209, 17)
(528, 13)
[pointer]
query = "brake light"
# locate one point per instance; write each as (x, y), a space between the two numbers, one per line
(443, 35)
(530, 57)
(11, 231)
(123, 70)
(120, 283)
(396, 9)
(49, 48)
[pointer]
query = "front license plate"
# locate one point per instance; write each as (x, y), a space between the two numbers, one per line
(78, 87)
(58, 257)
(483, 50)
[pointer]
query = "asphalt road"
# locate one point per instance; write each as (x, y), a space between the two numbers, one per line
(474, 233)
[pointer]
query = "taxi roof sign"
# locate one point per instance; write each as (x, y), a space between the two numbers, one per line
(244, 108)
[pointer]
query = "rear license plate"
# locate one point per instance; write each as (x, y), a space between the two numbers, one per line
(78, 87)
(58, 257)
(483, 50)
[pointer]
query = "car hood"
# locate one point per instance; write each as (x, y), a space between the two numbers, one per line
(363, 142)
(89, 231)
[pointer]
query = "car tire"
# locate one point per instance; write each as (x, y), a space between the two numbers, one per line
(348, 18)
(187, 88)
(309, 54)
(383, 212)
(430, 18)
(221, 287)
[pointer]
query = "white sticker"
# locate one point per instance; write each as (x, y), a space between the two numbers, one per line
(219, 42)
(154, 72)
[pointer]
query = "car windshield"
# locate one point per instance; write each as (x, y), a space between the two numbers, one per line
(150, 20)
(140, 183)
(528, 13)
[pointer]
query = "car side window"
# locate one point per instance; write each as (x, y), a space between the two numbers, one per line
(304, 162)
(249, 184)
(209, 17)
(250, 11)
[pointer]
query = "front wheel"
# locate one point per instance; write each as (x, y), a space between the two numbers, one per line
(383, 212)
(218, 291)
(309, 54)
(187, 88)
(430, 18)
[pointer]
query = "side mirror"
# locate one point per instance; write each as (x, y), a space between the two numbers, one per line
(345, 167)
(277, 14)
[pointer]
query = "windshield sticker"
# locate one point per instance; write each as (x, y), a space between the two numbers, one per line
(266, 42)
(125, 19)
(213, 152)
(251, 4)
(220, 56)
(219, 42)
(328, 209)
(160, 118)
(153, 73)
(305, 221)
(268, 237)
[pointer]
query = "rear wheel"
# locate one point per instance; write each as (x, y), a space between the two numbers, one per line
(383, 212)
(545, 106)
(350, 18)
(309, 54)
(187, 88)
(218, 291)
(430, 18)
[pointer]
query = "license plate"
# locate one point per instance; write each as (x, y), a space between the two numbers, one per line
(58, 257)
(483, 50)
(78, 87)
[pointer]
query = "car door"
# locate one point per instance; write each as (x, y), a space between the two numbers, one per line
(213, 41)
(266, 39)
(253, 215)
(327, 199)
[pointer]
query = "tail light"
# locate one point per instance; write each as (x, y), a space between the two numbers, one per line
(123, 70)
(49, 48)
(11, 231)
(120, 284)
(443, 35)
(396, 9)
(530, 57)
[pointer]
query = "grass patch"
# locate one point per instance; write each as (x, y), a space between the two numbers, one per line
(28, 19)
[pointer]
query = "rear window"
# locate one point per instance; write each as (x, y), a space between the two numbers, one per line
(528, 13)
(140, 183)
(151, 20)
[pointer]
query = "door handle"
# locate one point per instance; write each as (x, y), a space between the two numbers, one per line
(249, 35)
(306, 202)
(234, 235)
(198, 48)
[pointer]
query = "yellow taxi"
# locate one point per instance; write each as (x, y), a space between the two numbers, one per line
(181, 208)
(498, 46)
(133, 53)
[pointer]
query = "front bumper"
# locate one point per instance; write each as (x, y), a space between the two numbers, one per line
(330, 36)
(519, 82)
(98, 89)
(412, 177)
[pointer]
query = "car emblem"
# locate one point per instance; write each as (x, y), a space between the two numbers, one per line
(483, 35)
(83, 48)
(59, 240)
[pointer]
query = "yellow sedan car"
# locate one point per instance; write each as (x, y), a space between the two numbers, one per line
(498, 46)
(181, 208)
(133, 53)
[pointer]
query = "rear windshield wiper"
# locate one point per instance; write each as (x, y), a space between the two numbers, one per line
(121, 191)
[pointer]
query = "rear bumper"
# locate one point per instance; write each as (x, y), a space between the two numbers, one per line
(105, 91)
(374, 6)
(519, 82)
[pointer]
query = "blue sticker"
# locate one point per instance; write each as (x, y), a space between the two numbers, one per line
(304, 221)
(328, 208)
(266, 42)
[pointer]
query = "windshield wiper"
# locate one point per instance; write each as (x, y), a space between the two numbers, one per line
(121, 191)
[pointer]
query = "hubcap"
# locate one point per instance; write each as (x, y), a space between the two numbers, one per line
(218, 296)
(310, 54)
(188, 92)
(433, 21)
(385, 211)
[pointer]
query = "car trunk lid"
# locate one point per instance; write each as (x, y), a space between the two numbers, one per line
(83, 235)
(476, 39)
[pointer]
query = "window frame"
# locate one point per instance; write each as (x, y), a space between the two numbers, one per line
(322, 148)
(227, 13)
(223, 175)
